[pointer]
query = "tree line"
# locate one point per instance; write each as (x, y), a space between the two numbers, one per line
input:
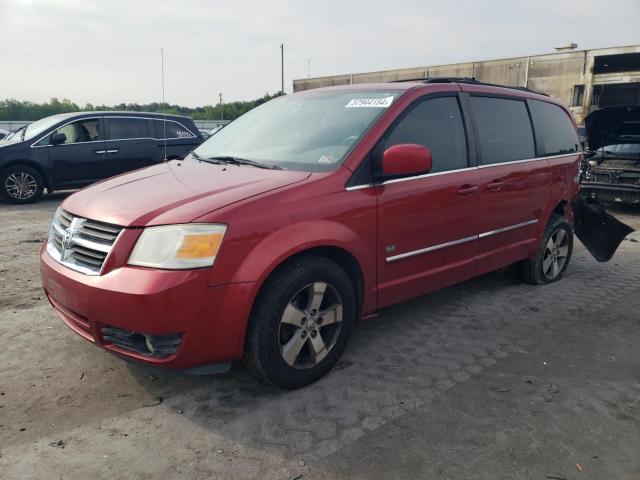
(11, 109)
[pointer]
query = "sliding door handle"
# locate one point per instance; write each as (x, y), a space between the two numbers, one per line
(495, 185)
(468, 189)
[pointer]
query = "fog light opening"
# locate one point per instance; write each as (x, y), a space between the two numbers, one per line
(158, 346)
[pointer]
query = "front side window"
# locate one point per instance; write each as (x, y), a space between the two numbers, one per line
(437, 124)
(312, 131)
(554, 129)
(504, 129)
(81, 131)
(127, 128)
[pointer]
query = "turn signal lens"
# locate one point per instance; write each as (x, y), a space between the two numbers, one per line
(200, 246)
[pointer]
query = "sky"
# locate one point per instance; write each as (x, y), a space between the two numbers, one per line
(108, 51)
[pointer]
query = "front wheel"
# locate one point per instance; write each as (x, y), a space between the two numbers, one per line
(21, 184)
(301, 322)
(553, 255)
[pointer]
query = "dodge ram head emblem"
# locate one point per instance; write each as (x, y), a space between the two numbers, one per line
(66, 238)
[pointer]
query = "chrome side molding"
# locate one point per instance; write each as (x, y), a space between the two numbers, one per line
(459, 241)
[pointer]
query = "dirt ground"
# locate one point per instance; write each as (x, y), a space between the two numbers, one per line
(449, 386)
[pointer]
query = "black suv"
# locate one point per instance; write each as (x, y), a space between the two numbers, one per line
(72, 150)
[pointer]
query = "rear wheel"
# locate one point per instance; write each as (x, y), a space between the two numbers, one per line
(301, 322)
(554, 253)
(21, 184)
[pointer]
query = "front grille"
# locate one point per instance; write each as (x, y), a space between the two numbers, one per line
(79, 243)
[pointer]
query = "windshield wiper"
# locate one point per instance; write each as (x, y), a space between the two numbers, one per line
(207, 160)
(244, 161)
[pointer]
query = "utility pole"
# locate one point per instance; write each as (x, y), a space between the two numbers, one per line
(282, 68)
(221, 107)
(308, 67)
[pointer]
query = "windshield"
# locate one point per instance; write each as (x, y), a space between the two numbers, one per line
(311, 132)
(36, 128)
(14, 135)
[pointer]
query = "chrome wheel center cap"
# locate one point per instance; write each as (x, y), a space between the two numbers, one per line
(310, 324)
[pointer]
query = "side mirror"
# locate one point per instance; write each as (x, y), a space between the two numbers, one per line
(58, 138)
(406, 159)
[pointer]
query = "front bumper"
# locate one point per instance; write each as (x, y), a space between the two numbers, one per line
(210, 320)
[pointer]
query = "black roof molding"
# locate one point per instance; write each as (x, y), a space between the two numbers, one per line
(470, 80)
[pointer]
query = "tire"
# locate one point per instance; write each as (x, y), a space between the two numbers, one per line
(288, 318)
(553, 255)
(21, 184)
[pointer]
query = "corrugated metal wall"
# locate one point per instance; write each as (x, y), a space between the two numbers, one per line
(555, 74)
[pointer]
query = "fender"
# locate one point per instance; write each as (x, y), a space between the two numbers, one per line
(283, 243)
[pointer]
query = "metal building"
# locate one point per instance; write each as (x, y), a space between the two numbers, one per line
(584, 79)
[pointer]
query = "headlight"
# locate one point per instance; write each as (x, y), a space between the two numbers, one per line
(178, 247)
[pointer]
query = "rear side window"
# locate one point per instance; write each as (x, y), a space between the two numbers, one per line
(554, 129)
(171, 129)
(437, 124)
(504, 129)
(124, 128)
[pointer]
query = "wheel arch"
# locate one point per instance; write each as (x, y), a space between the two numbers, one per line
(342, 257)
(563, 208)
(31, 164)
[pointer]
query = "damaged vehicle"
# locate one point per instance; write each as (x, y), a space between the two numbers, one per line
(612, 166)
(311, 211)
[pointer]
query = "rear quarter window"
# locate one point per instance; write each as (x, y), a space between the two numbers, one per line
(555, 132)
(171, 129)
(504, 129)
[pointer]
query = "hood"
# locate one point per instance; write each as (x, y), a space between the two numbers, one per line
(174, 192)
(613, 126)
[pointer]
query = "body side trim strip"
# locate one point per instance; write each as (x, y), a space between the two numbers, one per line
(431, 249)
(458, 242)
(506, 229)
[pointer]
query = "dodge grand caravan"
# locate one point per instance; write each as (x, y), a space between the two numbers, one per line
(72, 150)
(310, 211)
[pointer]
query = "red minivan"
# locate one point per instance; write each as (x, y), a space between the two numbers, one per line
(314, 209)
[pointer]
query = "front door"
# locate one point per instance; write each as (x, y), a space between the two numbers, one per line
(428, 224)
(80, 159)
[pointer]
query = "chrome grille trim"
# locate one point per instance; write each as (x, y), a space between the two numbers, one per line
(88, 244)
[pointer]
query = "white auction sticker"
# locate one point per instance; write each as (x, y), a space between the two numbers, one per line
(384, 102)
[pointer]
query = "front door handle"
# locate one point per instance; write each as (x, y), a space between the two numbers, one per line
(99, 152)
(495, 186)
(467, 189)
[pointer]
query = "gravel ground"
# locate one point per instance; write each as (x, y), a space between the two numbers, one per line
(449, 385)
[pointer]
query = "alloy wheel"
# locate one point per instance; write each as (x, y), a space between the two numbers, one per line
(21, 185)
(555, 254)
(310, 325)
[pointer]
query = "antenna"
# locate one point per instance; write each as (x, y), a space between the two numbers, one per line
(164, 116)
(282, 67)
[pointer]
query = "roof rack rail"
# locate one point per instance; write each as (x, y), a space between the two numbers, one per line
(471, 80)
